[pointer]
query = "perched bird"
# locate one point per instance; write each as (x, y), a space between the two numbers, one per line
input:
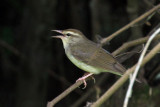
(87, 55)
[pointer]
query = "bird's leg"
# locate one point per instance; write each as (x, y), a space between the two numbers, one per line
(83, 79)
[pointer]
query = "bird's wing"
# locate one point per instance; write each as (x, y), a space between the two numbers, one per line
(99, 58)
(103, 59)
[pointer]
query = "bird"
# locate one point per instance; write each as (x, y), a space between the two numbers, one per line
(87, 55)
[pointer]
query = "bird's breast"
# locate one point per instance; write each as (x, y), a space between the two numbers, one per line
(81, 64)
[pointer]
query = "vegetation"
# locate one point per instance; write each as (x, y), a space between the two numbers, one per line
(35, 70)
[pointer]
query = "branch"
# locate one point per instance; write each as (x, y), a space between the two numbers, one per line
(128, 94)
(63, 80)
(133, 43)
(124, 78)
(10, 48)
(88, 92)
(65, 93)
(110, 37)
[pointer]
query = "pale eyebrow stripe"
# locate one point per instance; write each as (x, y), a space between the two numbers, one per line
(72, 33)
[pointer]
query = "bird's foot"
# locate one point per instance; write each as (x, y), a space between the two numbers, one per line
(83, 79)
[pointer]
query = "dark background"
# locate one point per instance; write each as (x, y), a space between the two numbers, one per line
(34, 68)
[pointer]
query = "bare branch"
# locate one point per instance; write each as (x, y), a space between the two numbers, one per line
(138, 67)
(124, 78)
(88, 92)
(10, 48)
(133, 43)
(65, 93)
(110, 37)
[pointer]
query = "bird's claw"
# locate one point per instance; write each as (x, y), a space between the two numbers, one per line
(84, 81)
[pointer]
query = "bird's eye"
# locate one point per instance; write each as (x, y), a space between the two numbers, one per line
(68, 34)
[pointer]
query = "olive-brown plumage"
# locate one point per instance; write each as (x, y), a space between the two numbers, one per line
(87, 55)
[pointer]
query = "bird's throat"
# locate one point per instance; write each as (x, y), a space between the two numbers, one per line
(65, 43)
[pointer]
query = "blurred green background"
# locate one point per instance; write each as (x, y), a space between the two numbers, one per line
(34, 68)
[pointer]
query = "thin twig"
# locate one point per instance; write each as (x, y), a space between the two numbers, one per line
(10, 48)
(128, 56)
(133, 43)
(63, 80)
(131, 52)
(154, 73)
(124, 78)
(128, 94)
(59, 78)
(110, 37)
(65, 93)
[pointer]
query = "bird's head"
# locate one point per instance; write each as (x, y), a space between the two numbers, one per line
(70, 36)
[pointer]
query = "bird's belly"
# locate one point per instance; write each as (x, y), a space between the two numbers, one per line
(82, 65)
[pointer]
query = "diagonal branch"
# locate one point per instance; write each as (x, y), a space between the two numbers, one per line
(65, 93)
(88, 92)
(10, 48)
(133, 43)
(110, 37)
(128, 94)
(124, 78)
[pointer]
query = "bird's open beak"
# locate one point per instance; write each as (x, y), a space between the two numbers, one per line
(58, 36)
(58, 31)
